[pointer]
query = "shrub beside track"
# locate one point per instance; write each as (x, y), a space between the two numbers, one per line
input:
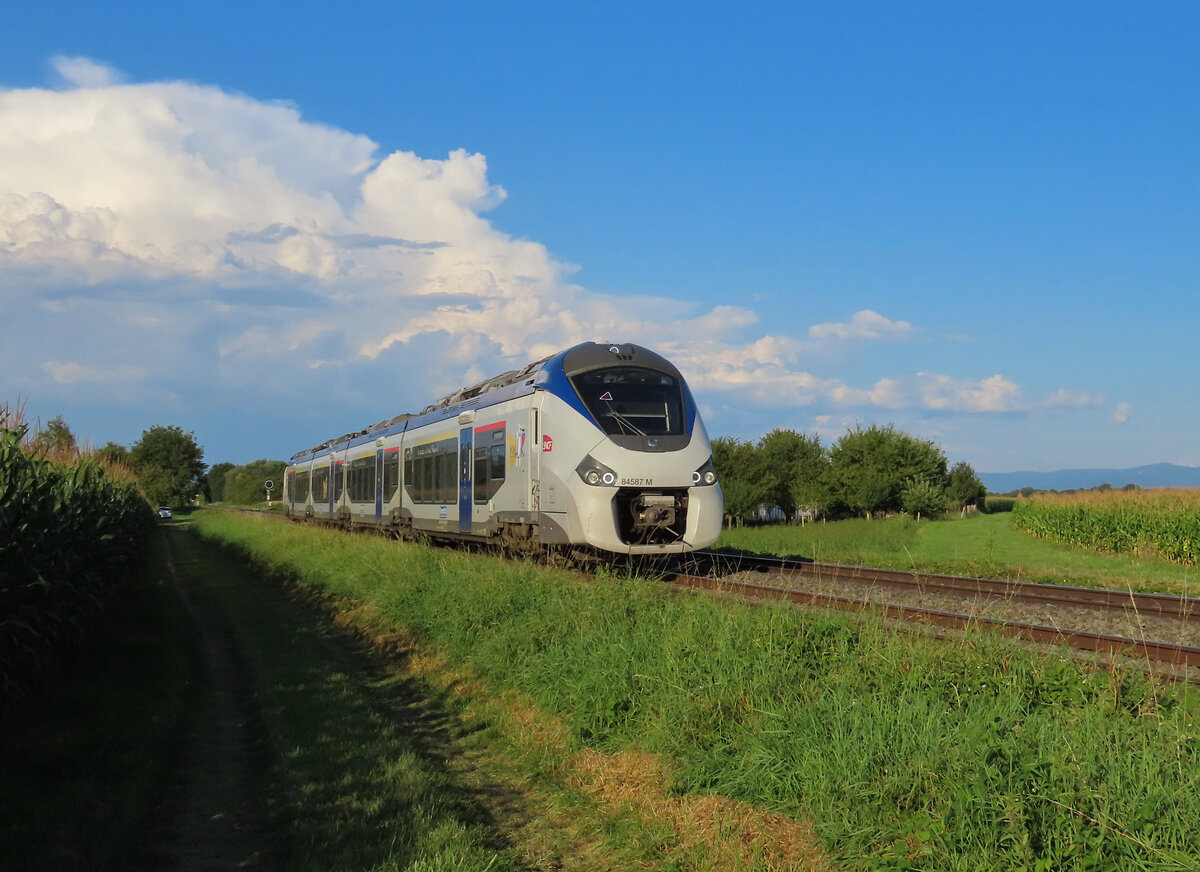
(67, 536)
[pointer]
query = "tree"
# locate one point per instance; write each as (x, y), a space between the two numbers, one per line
(113, 454)
(964, 488)
(169, 465)
(869, 469)
(735, 464)
(215, 480)
(56, 440)
(790, 468)
(922, 498)
(244, 484)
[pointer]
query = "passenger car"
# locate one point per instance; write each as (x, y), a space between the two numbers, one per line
(599, 445)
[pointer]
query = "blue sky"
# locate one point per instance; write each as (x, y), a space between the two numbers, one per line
(273, 223)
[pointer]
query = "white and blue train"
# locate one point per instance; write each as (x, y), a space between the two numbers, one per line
(599, 446)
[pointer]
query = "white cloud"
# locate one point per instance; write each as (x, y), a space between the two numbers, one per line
(71, 373)
(1064, 397)
(189, 239)
(864, 325)
(84, 72)
(1122, 413)
(992, 394)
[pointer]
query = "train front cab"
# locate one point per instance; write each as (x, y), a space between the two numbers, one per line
(646, 484)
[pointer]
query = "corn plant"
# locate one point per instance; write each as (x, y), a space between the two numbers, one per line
(67, 534)
(1164, 523)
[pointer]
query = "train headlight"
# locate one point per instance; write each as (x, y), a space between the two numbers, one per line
(705, 475)
(595, 473)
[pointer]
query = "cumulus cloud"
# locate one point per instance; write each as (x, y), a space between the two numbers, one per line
(171, 233)
(864, 325)
(992, 394)
(1122, 413)
(1064, 397)
(84, 72)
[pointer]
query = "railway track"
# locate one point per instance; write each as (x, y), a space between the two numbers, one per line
(1159, 628)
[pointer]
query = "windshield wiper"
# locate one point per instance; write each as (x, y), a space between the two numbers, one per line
(623, 421)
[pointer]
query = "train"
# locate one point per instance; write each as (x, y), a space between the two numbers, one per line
(598, 447)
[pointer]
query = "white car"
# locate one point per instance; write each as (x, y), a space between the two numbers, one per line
(164, 512)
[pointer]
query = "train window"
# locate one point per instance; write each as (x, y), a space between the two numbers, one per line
(431, 472)
(339, 480)
(361, 480)
(496, 472)
(391, 473)
(631, 401)
(447, 481)
(300, 487)
(490, 466)
(320, 484)
(481, 475)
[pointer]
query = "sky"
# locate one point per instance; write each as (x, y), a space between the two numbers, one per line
(269, 223)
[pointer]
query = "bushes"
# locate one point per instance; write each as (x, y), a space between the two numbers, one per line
(1165, 523)
(66, 535)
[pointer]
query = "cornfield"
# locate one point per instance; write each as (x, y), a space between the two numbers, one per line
(1164, 523)
(68, 533)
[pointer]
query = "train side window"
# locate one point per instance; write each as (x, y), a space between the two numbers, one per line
(339, 480)
(361, 480)
(431, 472)
(490, 467)
(320, 484)
(481, 475)
(448, 474)
(496, 470)
(300, 487)
(391, 474)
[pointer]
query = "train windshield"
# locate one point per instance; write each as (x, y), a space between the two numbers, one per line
(630, 401)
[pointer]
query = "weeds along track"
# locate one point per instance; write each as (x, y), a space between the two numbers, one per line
(1162, 629)
(1158, 628)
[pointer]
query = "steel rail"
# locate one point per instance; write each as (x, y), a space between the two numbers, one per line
(1161, 652)
(1149, 604)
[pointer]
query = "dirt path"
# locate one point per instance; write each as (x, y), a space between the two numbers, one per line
(217, 813)
(295, 736)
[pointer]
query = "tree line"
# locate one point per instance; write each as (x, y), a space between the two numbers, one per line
(868, 471)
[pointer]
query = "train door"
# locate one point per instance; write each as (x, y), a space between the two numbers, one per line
(334, 491)
(465, 498)
(535, 453)
(378, 484)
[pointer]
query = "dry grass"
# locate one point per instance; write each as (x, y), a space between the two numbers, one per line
(735, 835)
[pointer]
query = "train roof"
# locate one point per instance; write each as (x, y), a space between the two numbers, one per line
(580, 358)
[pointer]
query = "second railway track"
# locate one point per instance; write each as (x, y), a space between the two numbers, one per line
(1155, 627)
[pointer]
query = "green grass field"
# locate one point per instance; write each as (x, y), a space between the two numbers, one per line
(900, 751)
(982, 545)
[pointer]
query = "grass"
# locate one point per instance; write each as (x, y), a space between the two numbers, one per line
(982, 545)
(115, 770)
(901, 752)
(337, 758)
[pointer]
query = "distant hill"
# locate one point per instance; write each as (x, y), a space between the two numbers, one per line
(1154, 475)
